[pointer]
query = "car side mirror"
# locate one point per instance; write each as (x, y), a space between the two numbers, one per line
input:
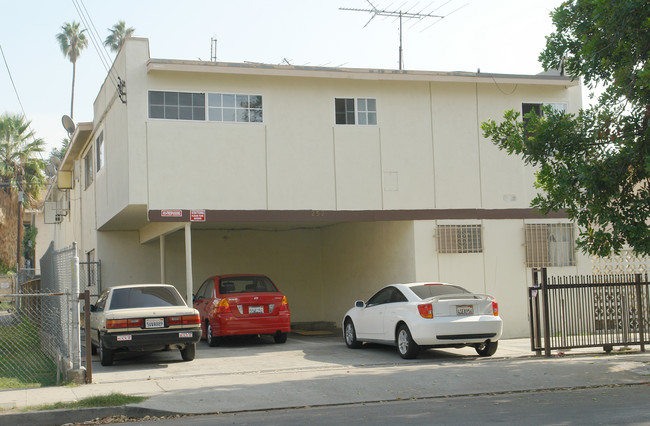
(359, 304)
(92, 308)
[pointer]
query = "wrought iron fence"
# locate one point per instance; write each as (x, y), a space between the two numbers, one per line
(588, 311)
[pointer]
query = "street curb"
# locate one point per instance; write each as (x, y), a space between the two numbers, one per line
(64, 416)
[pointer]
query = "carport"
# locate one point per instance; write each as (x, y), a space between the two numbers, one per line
(322, 261)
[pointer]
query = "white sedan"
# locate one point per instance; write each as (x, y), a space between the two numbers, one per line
(425, 315)
(143, 318)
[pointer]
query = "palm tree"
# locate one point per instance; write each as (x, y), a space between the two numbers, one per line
(19, 167)
(72, 41)
(118, 34)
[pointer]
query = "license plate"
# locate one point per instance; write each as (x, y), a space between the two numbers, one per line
(154, 323)
(184, 334)
(256, 309)
(464, 310)
(124, 338)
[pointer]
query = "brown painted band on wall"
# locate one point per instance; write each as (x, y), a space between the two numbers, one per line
(181, 215)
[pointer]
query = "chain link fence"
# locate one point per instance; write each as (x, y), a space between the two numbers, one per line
(39, 324)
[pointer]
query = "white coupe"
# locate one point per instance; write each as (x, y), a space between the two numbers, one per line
(425, 315)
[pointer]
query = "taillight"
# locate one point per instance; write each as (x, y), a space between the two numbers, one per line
(284, 306)
(174, 321)
(124, 323)
(495, 308)
(223, 306)
(191, 319)
(426, 310)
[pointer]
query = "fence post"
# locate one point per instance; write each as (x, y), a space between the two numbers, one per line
(75, 344)
(547, 326)
(533, 303)
(639, 311)
(89, 355)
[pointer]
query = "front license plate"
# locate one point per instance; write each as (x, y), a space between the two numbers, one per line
(154, 323)
(256, 309)
(464, 310)
(124, 338)
(184, 334)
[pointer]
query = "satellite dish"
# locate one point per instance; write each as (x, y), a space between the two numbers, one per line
(68, 124)
(50, 170)
(54, 160)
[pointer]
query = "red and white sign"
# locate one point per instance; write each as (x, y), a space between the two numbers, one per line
(197, 215)
(171, 213)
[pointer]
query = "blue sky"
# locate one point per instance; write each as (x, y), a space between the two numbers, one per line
(501, 36)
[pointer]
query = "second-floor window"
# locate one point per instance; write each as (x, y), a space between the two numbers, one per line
(99, 146)
(238, 108)
(362, 111)
(88, 168)
(177, 105)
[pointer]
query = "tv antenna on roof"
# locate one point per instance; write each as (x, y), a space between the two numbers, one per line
(402, 15)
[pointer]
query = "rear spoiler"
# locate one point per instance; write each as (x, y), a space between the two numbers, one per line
(460, 296)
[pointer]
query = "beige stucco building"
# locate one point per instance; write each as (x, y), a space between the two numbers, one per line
(334, 182)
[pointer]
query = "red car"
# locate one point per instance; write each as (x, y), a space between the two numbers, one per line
(242, 304)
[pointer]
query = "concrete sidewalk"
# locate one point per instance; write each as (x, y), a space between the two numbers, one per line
(254, 374)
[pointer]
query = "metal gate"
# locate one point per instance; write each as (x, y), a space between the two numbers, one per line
(588, 311)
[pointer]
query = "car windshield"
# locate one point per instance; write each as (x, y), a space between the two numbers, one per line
(145, 297)
(246, 285)
(425, 291)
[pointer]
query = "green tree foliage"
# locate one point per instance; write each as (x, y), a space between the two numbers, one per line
(60, 152)
(595, 164)
(72, 41)
(117, 35)
(19, 165)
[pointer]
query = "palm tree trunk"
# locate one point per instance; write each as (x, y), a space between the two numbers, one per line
(74, 69)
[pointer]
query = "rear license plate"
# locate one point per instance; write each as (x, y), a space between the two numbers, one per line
(464, 310)
(154, 323)
(124, 338)
(256, 309)
(184, 334)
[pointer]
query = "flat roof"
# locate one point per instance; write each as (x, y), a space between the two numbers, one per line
(174, 65)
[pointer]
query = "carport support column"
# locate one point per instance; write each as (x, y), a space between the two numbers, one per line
(188, 262)
(162, 260)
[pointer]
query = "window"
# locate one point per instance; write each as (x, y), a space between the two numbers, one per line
(367, 111)
(99, 142)
(88, 168)
(460, 239)
(539, 108)
(234, 108)
(345, 111)
(387, 295)
(550, 245)
(177, 105)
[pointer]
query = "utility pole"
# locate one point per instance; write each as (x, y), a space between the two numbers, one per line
(401, 15)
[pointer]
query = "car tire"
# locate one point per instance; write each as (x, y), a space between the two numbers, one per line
(105, 355)
(406, 347)
(350, 335)
(93, 349)
(212, 340)
(189, 352)
(280, 337)
(487, 348)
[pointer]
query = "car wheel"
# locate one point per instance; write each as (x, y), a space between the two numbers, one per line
(189, 352)
(105, 355)
(406, 347)
(487, 348)
(350, 335)
(212, 340)
(280, 337)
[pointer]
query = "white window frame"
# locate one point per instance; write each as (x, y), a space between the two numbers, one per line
(89, 163)
(361, 111)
